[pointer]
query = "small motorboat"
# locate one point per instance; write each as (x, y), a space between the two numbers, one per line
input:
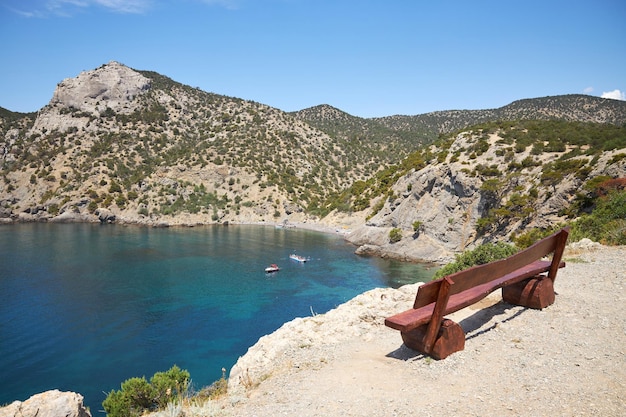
(272, 268)
(297, 258)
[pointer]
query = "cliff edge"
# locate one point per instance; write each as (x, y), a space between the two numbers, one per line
(560, 361)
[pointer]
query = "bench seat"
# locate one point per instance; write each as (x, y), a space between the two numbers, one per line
(411, 319)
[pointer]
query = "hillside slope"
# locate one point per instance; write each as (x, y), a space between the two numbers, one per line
(489, 183)
(120, 145)
(146, 149)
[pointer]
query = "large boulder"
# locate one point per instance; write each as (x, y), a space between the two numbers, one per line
(48, 404)
(105, 216)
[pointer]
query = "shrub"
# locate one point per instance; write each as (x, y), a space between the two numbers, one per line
(216, 390)
(115, 187)
(483, 254)
(531, 236)
(607, 223)
(395, 235)
(137, 395)
(169, 385)
(92, 206)
(53, 209)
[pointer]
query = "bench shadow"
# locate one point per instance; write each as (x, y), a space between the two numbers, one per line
(471, 325)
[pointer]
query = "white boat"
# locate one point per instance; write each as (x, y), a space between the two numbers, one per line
(272, 268)
(297, 258)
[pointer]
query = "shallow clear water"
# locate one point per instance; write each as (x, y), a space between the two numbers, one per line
(85, 307)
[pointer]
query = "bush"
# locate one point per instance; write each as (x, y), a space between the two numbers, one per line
(606, 224)
(138, 396)
(533, 235)
(169, 385)
(395, 235)
(483, 254)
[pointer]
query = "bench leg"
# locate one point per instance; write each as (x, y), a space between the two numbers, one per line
(536, 292)
(450, 339)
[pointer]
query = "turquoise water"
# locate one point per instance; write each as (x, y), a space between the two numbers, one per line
(85, 307)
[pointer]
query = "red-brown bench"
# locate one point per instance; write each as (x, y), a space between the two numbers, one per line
(521, 277)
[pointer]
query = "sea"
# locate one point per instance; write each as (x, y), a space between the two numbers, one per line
(86, 306)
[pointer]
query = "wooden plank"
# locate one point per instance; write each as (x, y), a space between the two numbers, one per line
(410, 319)
(438, 313)
(480, 274)
(427, 293)
(473, 295)
(558, 253)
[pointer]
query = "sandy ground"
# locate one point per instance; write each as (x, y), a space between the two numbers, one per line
(566, 360)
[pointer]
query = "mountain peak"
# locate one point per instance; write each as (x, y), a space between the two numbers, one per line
(112, 85)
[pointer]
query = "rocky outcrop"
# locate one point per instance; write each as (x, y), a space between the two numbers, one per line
(438, 209)
(48, 404)
(78, 102)
(105, 216)
(444, 200)
(111, 86)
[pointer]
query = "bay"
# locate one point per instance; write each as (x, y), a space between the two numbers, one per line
(85, 307)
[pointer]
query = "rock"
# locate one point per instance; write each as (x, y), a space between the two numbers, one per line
(48, 404)
(5, 212)
(113, 84)
(105, 216)
(291, 208)
(70, 217)
(585, 244)
(26, 218)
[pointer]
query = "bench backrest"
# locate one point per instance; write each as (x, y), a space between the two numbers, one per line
(480, 274)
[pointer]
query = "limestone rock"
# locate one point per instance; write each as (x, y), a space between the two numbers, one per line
(48, 404)
(105, 215)
(449, 198)
(76, 101)
(71, 217)
(113, 85)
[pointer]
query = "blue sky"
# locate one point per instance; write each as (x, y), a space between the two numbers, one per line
(366, 57)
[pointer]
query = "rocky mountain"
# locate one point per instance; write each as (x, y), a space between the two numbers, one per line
(120, 145)
(140, 147)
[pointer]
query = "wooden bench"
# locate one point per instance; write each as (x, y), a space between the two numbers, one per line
(521, 277)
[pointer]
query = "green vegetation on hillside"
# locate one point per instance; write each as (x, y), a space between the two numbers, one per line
(319, 159)
(605, 222)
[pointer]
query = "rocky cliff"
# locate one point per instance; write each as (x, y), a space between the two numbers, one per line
(461, 199)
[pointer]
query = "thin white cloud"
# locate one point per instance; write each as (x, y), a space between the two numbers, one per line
(615, 95)
(125, 6)
(69, 8)
(229, 4)
(588, 90)
(65, 8)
